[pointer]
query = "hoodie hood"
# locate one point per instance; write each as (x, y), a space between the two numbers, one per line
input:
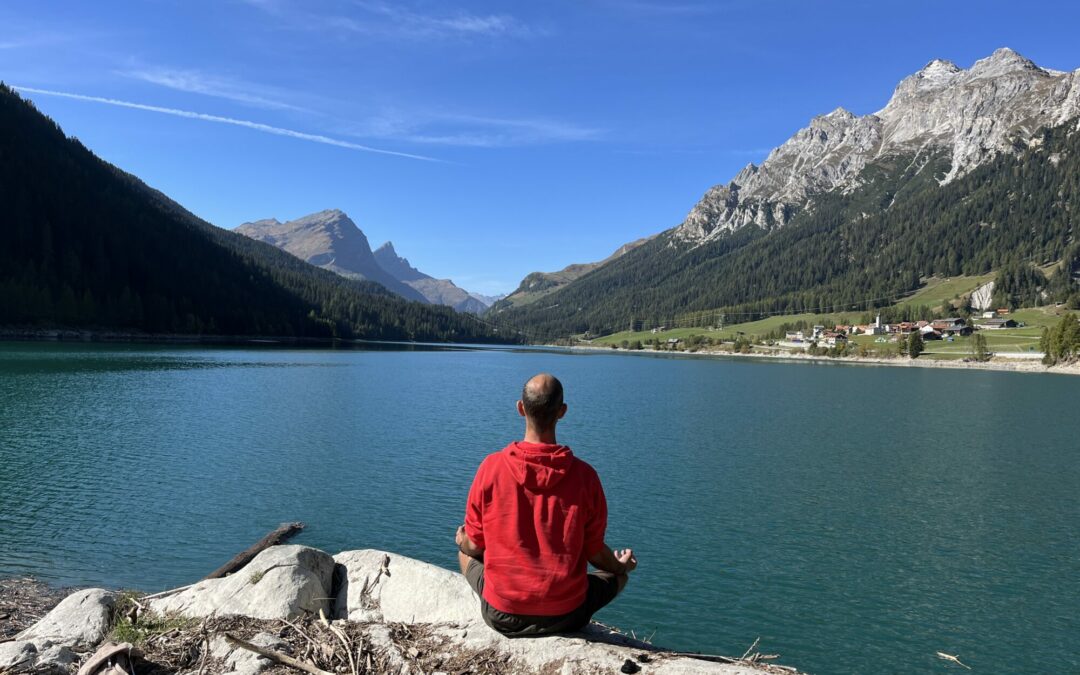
(537, 466)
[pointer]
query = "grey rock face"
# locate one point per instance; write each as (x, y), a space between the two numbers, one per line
(80, 621)
(435, 291)
(982, 297)
(282, 582)
(331, 240)
(971, 115)
(395, 265)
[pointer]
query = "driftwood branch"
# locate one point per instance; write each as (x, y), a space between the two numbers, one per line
(276, 657)
(162, 594)
(282, 533)
(715, 658)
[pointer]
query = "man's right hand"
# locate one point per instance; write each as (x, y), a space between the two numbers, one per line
(626, 557)
(606, 560)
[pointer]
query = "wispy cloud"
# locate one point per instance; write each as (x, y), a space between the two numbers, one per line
(453, 24)
(197, 82)
(257, 126)
(471, 130)
(660, 7)
(376, 18)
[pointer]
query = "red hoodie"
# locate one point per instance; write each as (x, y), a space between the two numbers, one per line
(539, 514)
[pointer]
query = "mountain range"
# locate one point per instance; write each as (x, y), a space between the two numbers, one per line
(968, 116)
(331, 240)
(88, 246)
(963, 171)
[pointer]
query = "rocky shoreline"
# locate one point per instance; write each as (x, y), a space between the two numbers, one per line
(298, 609)
(996, 363)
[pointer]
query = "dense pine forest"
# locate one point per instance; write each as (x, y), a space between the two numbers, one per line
(852, 251)
(88, 246)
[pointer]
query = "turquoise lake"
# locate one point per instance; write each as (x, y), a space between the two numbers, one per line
(856, 519)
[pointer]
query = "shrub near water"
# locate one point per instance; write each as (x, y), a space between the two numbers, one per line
(1061, 344)
(136, 626)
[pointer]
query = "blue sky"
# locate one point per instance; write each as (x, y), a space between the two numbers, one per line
(486, 139)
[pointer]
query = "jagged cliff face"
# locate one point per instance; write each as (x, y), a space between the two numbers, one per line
(970, 114)
(436, 291)
(331, 240)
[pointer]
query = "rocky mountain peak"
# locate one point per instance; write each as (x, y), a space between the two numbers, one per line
(331, 240)
(400, 268)
(330, 217)
(939, 67)
(969, 115)
(1003, 60)
(840, 113)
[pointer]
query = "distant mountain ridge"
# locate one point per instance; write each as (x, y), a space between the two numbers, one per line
(436, 291)
(539, 284)
(331, 240)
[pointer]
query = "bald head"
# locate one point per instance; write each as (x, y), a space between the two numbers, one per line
(542, 400)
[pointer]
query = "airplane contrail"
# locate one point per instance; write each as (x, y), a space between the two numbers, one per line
(257, 126)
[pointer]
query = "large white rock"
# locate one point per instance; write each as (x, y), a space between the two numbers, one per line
(407, 590)
(415, 592)
(80, 621)
(282, 582)
(593, 650)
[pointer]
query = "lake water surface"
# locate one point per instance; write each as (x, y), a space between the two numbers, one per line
(856, 519)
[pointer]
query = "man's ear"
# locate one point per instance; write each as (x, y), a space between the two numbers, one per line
(562, 411)
(521, 408)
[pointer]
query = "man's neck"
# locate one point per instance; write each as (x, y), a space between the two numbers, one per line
(533, 435)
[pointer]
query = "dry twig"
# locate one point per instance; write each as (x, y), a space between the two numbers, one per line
(276, 657)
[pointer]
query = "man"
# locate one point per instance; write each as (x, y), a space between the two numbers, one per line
(534, 520)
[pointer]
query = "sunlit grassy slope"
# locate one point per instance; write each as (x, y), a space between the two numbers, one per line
(935, 293)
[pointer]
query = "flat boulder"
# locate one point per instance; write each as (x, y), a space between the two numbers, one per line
(282, 582)
(38, 656)
(378, 588)
(80, 621)
(595, 649)
(375, 585)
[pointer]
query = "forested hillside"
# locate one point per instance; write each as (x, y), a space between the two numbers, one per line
(857, 250)
(85, 245)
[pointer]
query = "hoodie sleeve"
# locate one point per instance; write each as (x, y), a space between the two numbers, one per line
(474, 509)
(596, 525)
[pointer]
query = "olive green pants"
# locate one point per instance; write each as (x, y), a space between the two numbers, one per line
(603, 587)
